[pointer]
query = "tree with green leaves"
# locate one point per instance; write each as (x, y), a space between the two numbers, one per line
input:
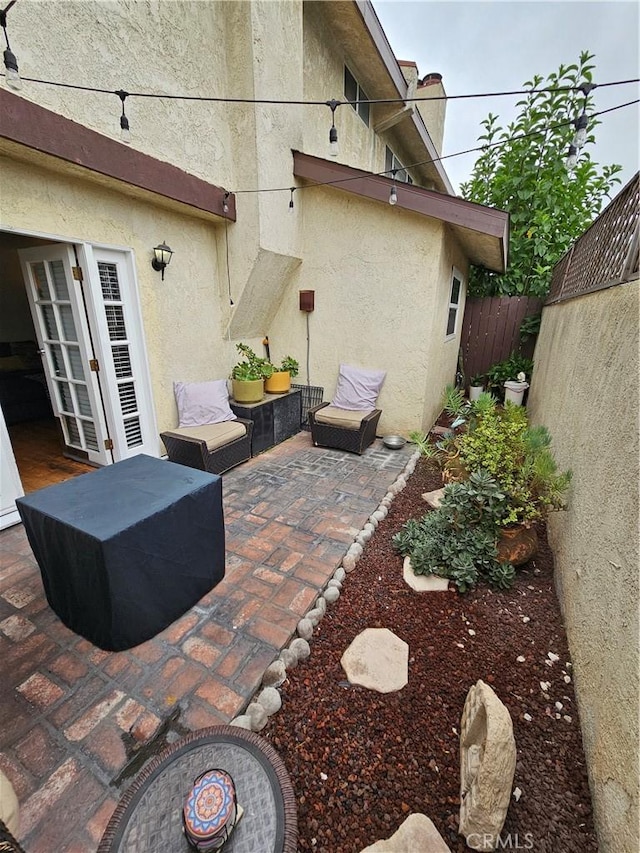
(523, 169)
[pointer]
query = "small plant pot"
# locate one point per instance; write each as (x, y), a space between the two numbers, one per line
(514, 391)
(474, 392)
(245, 391)
(278, 383)
(517, 545)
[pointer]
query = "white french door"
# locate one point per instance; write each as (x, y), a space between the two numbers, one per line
(60, 319)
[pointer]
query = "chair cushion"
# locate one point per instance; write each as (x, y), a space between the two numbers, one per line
(357, 389)
(202, 403)
(345, 418)
(215, 435)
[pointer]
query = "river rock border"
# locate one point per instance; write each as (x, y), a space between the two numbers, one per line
(267, 700)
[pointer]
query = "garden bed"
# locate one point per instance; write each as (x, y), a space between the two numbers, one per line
(361, 761)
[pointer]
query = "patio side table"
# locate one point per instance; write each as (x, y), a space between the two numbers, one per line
(148, 818)
(275, 418)
(127, 549)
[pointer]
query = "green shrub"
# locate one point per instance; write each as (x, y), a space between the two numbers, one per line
(458, 540)
(499, 373)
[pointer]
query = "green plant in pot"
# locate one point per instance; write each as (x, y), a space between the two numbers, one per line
(476, 386)
(248, 376)
(506, 370)
(280, 380)
(500, 441)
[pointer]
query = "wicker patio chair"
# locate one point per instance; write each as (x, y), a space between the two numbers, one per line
(214, 447)
(343, 430)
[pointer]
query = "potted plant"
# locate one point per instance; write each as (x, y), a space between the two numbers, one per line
(476, 386)
(248, 376)
(280, 380)
(507, 370)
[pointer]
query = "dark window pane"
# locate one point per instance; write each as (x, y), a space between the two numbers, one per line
(350, 86)
(388, 159)
(451, 325)
(363, 108)
(455, 291)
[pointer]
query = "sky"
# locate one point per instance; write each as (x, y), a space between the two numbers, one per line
(481, 46)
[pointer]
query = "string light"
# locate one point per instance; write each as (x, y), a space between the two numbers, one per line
(393, 195)
(12, 75)
(572, 158)
(333, 133)
(125, 133)
(293, 189)
(225, 203)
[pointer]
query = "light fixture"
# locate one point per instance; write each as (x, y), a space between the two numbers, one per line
(572, 159)
(333, 133)
(12, 76)
(393, 195)
(225, 203)
(161, 258)
(125, 133)
(581, 131)
(293, 189)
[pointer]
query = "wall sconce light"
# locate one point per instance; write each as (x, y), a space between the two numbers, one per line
(161, 258)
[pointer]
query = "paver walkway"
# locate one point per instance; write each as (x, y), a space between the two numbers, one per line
(77, 723)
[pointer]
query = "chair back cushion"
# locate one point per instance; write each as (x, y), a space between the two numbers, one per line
(215, 435)
(343, 418)
(357, 389)
(201, 403)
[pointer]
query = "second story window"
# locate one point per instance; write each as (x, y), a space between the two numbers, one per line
(353, 92)
(391, 162)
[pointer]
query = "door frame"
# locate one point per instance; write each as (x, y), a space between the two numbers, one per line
(88, 254)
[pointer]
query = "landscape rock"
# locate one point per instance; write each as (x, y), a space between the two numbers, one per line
(423, 583)
(417, 833)
(349, 563)
(331, 594)
(300, 648)
(488, 763)
(377, 659)
(334, 582)
(275, 674)
(314, 616)
(288, 658)
(433, 498)
(355, 550)
(339, 574)
(257, 715)
(305, 629)
(321, 604)
(270, 700)
(242, 722)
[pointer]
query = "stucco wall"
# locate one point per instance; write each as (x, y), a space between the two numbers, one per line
(585, 390)
(379, 303)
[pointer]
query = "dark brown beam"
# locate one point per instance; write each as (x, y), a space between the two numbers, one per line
(39, 129)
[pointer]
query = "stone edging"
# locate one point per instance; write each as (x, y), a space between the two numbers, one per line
(267, 700)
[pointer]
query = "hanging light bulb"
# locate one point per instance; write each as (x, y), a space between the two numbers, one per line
(572, 159)
(11, 74)
(293, 189)
(333, 133)
(225, 204)
(125, 133)
(393, 195)
(581, 131)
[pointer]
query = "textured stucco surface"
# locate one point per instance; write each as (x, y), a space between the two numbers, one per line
(379, 303)
(585, 390)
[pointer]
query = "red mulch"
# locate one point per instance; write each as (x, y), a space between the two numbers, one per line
(386, 756)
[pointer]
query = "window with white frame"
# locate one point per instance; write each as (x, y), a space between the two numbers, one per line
(392, 163)
(455, 298)
(353, 92)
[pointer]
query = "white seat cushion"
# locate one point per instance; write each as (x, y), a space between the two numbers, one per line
(215, 435)
(345, 418)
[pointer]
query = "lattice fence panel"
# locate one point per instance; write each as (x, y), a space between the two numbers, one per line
(606, 254)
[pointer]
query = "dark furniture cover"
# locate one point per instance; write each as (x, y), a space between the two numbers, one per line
(127, 549)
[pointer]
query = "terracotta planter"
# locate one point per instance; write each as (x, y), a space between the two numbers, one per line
(517, 545)
(248, 392)
(278, 383)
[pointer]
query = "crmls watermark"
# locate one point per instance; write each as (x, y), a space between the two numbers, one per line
(486, 841)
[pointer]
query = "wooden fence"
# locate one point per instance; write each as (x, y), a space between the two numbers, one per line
(491, 330)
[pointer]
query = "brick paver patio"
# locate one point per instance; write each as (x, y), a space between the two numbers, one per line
(78, 723)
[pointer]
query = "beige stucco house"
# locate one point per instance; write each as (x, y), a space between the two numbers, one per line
(80, 211)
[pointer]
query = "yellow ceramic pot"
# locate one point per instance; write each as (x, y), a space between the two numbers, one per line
(245, 391)
(278, 383)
